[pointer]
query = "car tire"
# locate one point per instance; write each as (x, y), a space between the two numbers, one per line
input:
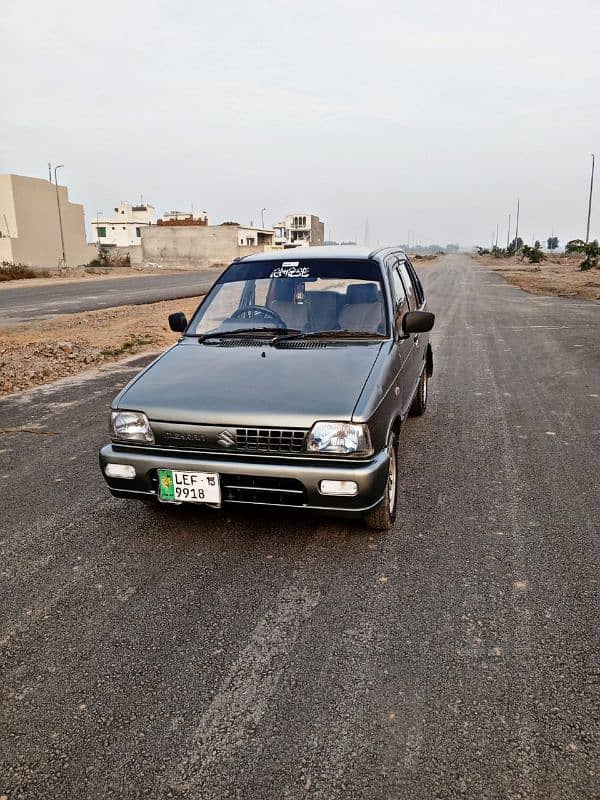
(383, 516)
(419, 404)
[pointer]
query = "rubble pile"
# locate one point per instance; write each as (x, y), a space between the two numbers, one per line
(33, 363)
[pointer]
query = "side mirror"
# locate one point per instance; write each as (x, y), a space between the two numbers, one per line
(417, 322)
(178, 322)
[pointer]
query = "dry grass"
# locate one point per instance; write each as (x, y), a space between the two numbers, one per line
(19, 272)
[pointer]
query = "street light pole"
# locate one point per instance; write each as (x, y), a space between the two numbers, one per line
(97, 230)
(517, 227)
(508, 234)
(62, 238)
(262, 216)
(587, 231)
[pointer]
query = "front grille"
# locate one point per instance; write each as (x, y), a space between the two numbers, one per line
(270, 440)
(255, 489)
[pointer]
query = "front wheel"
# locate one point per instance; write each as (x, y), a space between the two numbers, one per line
(383, 516)
(419, 404)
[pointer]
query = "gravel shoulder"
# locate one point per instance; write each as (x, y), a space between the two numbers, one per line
(45, 350)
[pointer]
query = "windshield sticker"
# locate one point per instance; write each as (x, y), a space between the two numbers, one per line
(290, 269)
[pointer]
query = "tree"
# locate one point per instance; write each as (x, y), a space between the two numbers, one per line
(514, 246)
(552, 242)
(592, 251)
(575, 246)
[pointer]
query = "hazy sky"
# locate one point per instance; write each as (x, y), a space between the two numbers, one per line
(424, 116)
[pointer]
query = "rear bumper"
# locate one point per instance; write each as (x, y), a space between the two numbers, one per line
(256, 481)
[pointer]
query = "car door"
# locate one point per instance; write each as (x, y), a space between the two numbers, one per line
(403, 345)
(418, 341)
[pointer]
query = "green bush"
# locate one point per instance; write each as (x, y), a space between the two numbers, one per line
(533, 254)
(592, 251)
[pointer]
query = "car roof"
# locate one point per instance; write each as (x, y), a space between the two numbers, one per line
(328, 252)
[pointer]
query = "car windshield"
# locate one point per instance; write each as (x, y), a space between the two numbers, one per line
(303, 296)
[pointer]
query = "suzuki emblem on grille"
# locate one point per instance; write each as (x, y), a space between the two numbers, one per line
(226, 438)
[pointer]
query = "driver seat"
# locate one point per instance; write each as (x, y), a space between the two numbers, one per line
(295, 315)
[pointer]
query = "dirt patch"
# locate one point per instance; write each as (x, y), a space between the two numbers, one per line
(33, 354)
(559, 276)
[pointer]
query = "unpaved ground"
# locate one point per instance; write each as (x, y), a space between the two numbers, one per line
(38, 353)
(560, 276)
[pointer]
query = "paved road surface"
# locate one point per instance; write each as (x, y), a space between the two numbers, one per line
(196, 654)
(24, 303)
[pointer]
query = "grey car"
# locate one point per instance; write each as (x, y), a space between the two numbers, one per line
(288, 388)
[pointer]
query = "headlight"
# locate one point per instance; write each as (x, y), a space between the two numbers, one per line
(339, 437)
(130, 426)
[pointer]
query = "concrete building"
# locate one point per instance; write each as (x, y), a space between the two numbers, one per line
(202, 245)
(124, 227)
(300, 230)
(29, 224)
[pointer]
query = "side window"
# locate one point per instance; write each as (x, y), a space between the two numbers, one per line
(400, 301)
(416, 283)
(408, 285)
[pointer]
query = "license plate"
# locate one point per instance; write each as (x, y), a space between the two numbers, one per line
(189, 487)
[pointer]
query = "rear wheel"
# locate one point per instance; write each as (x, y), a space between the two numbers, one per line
(383, 516)
(419, 404)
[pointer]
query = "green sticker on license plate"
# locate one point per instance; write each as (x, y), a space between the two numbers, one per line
(166, 484)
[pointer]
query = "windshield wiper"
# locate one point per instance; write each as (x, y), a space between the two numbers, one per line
(332, 334)
(202, 337)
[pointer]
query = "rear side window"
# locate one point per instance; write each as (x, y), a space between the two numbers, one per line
(408, 285)
(418, 288)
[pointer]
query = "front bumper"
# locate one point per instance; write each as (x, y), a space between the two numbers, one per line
(287, 483)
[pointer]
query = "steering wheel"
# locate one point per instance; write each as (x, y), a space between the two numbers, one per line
(258, 312)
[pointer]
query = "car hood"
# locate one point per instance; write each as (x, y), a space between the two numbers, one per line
(253, 385)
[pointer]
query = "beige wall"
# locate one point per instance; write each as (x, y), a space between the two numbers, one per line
(193, 246)
(29, 207)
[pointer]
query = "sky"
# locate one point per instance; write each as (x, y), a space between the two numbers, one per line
(426, 119)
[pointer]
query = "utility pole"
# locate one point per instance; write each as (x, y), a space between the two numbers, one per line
(50, 172)
(497, 230)
(62, 238)
(517, 227)
(262, 216)
(587, 231)
(508, 234)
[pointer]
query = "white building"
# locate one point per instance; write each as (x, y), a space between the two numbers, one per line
(254, 237)
(124, 227)
(300, 230)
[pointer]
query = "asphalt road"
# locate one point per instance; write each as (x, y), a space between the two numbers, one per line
(25, 303)
(197, 654)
